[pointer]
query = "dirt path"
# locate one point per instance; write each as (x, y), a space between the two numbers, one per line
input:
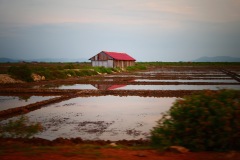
(11, 150)
(115, 154)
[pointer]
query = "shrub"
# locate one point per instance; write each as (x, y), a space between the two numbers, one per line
(21, 127)
(51, 73)
(43, 72)
(209, 120)
(69, 66)
(22, 72)
(58, 74)
(115, 69)
(103, 70)
(71, 72)
(60, 67)
(136, 67)
(86, 72)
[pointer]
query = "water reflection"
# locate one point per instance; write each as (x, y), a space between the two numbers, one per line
(194, 80)
(164, 87)
(103, 117)
(178, 87)
(77, 86)
(7, 102)
(108, 86)
(66, 86)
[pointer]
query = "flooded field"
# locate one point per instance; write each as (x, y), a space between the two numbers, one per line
(111, 107)
(143, 87)
(183, 80)
(104, 117)
(8, 102)
(177, 87)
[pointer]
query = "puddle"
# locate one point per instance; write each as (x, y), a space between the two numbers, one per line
(150, 87)
(182, 72)
(71, 86)
(108, 86)
(208, 76)
(104, 117)
(199, 80)
(120, 76)
(77, 86)
(7, 102)
(178, 87)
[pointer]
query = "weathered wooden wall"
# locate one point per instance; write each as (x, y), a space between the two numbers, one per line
(123, 64)
(105, 60)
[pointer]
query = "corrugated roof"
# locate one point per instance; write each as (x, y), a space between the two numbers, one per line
(120, 56)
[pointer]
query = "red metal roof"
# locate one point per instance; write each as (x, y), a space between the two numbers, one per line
(120, 56)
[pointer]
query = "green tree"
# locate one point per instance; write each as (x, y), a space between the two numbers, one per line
(209, 120)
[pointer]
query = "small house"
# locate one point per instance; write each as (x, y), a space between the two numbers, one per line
(112, 60)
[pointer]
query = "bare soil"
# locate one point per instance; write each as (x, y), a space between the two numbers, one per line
(6, 79)
(12, 149)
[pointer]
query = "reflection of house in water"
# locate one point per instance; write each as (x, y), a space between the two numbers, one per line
(108, 86)
(112, 86)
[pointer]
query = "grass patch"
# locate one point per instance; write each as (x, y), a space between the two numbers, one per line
(103, 70)
(136, 67)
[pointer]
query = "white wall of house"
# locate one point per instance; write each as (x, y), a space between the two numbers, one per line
(108, 63)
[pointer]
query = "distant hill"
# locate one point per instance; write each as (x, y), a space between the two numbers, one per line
(60, 60)
(217, 59)
(5, 60)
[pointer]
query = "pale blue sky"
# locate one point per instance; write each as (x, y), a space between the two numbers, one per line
(149, 30)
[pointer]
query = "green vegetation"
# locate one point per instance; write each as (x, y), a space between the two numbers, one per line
(21, 127)
(209, 121)
(136, 67)
(21, 72)
(103, 70)
(58, 71)
(51, 71)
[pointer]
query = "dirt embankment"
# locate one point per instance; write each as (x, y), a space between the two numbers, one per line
(6, 79)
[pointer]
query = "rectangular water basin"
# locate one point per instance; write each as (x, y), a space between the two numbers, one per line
(104, 117)
(177, 87)
(70, 86)
(7, 102)
(195, 80)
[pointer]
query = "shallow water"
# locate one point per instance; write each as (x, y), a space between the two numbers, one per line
(7, 102)
(103, 117)
(77, 86)
(151, 87)
(177, 87)
(195, 80)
